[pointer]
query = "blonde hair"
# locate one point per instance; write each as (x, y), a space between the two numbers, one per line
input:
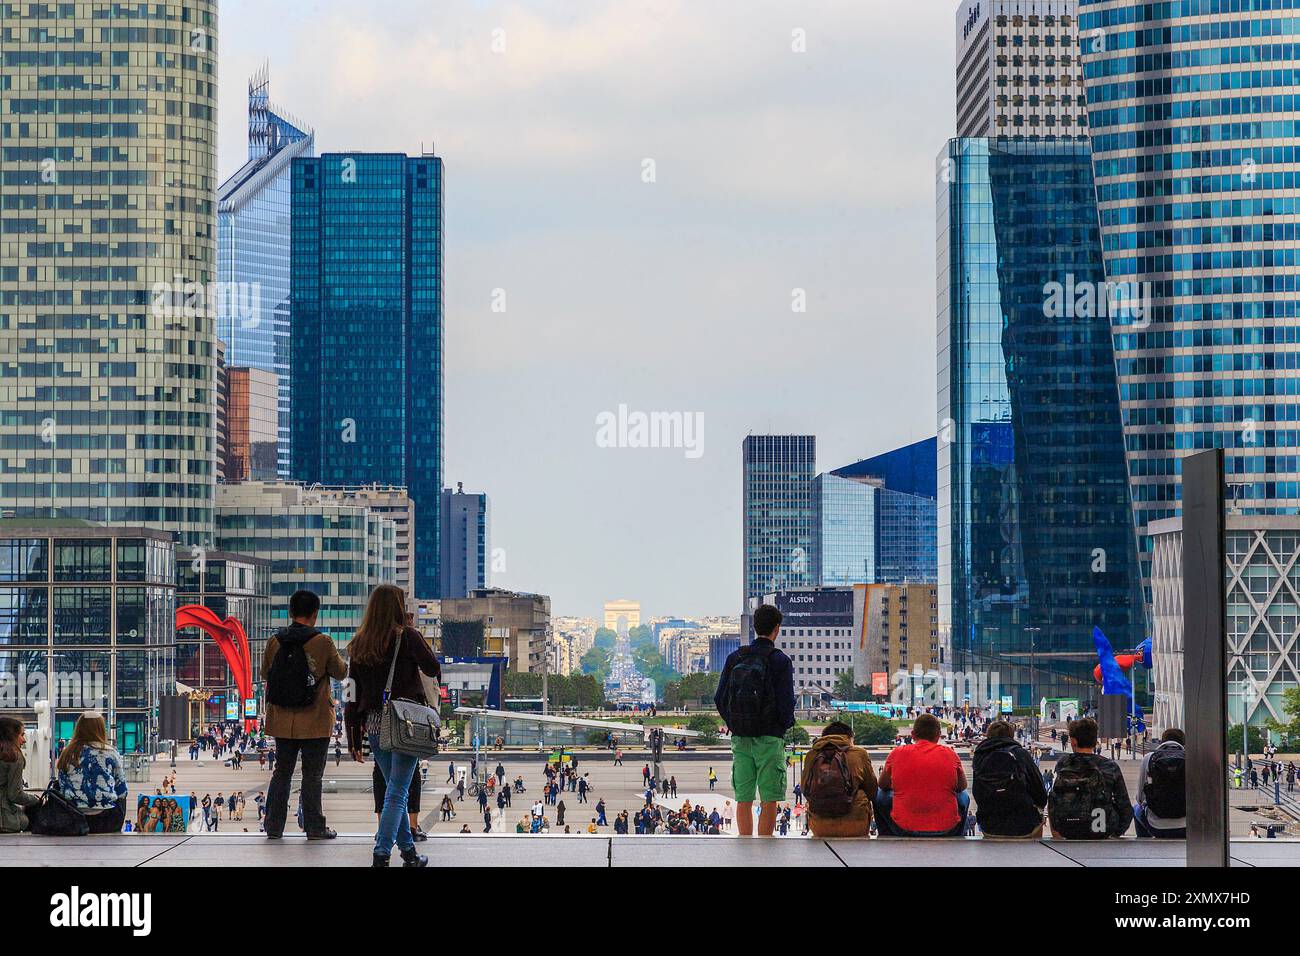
(384, 619)
(90, 731)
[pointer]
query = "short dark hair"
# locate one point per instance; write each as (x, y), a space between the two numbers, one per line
(1000, 728)
(1084, 732)
(766, 620)
(304, 603)
(926, 728)
(1174, 734)
(837, 727)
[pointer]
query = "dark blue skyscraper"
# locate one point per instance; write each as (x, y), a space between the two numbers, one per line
(780, 518)
(1036, 544)
(366, 283)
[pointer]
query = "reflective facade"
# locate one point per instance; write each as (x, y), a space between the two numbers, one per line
(1196, 153)
(846, 531)
(87, 620)
(780, 519)
(1035, 538)
(253, 236)
(367, 346)
(107, 174)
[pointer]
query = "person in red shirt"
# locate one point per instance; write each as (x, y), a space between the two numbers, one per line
(922, 787)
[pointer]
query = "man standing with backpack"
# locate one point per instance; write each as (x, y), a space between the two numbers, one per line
(839, 783)
(1161, 809)
(755, 699)
(1089, 799)
(298, 663)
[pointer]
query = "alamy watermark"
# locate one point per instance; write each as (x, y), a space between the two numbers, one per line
(935, 688)
(631, 429)
(240, 301)
(1073, 299)
(78, 690)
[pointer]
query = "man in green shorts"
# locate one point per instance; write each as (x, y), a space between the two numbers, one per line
(755, 699)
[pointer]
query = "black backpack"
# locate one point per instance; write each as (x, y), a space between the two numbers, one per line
(1080, 805)
(1166, 784)
(290, 683)
(830, 789)
(751, 703)
(1000, 781)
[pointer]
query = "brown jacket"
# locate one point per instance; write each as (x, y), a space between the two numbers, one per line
(316, 721)
(858, 821)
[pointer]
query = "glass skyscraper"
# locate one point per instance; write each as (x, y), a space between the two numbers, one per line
(366, 282)
(780, 516)
(107, 176)
(253, 236)
(466, 542)
(1035, 538)
(1196, 154)
(870, 534)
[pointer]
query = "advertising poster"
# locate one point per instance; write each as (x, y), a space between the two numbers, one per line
(160, 813)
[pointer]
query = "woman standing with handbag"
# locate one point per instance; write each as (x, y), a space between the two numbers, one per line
(385, 660)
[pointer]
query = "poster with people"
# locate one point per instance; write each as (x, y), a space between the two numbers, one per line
(160, 813)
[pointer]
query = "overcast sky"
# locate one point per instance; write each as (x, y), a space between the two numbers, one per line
(773, 170)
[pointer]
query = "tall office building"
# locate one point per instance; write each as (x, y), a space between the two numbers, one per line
(1018, 75)
(780, 516)
(466, 542)
(1195, 155)
(253, 236)
(366, 282)
(1215, 362)
(249, 437)
(1034, 531)
(108, 129)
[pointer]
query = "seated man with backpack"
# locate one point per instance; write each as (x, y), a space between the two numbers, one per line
(1089, 799)
(755, 699)
(1161, 808)
(298, 663)
(839, 784)
(1008, 789)
(922, 787)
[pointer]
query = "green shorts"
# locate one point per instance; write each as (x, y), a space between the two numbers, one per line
(758, 763)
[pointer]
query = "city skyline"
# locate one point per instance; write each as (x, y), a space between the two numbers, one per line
(760, 189)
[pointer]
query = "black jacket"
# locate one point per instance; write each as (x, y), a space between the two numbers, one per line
(780, 674)
(1010, 813)
(1121, 808)
(368, 682)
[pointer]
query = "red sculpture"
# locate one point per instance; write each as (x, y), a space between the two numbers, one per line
(230, 638)
(1125, 662)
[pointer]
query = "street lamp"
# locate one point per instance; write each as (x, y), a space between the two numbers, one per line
(1032, 631)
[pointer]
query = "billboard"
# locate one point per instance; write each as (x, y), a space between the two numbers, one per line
(232, 710)
(160, 813)
(823, 607)
(879, 684)
(250, 707)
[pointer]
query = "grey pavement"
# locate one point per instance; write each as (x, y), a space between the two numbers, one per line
(246, 850)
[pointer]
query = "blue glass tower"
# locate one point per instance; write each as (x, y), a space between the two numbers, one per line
(1035, 540)
(367, 344)
(253, 237)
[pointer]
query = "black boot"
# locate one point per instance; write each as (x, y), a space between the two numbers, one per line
(378, 860)
(411, 858)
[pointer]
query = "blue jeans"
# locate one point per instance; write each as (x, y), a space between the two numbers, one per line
(394, 826)
(1145, 830)
(884, 805)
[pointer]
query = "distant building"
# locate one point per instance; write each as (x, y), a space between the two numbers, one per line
(720, 646)
(339, 549)
(391, 502)
(251, 435)
(896, 628)
(779, 520)
(367, 370)
(514, 625)
(465, 542)
(621, 616)
(98, 605)
(817, 635)
(910, 469)
(1019, 75)
(253, 250)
